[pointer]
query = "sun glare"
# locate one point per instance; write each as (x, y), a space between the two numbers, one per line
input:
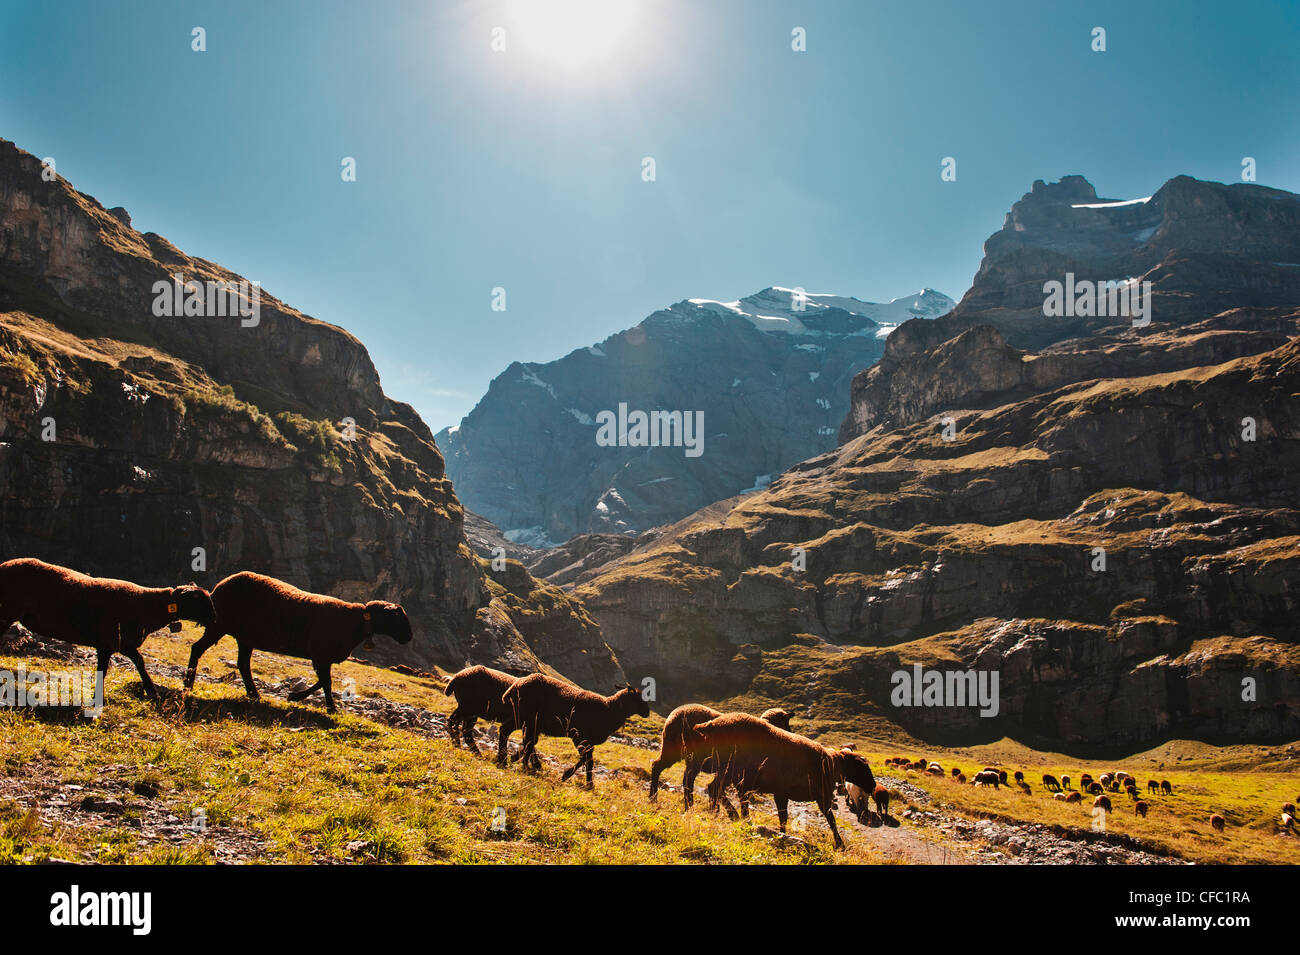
(572, 33)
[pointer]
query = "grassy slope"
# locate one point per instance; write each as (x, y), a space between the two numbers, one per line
(308, 786)
(312, 788)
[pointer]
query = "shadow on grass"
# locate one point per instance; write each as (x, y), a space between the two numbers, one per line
(191, 708)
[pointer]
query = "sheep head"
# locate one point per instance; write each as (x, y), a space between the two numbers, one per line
(389, 619)
(855, 769)
(192, 602)
(631, 697)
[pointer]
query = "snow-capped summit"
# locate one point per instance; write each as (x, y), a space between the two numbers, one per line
(788, 310)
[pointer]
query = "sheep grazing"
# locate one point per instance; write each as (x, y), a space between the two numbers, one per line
(1085, 782)
(1102, 802)
(1074, 796)
(263, 613)
(1140, 808)
(961, 778)
(1020, 777)
(543, 705)
(1288, 808)
(987, 778)
(1132, 792)
(113, 616)
(1165, 787)
(1287, 821)
(1153, 786)
(1065, 782)
(1106, 779)
(955, 772)
(1217, 822)
(478, 691)
(1060, 796)
(1002, 776)
(1095, 789)
(777, 717)
(757, 757)
(1049, 782)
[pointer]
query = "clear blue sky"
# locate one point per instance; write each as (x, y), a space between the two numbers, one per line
(479, 169)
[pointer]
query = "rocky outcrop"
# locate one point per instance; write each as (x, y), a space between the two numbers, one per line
(769, 374)
(165, 448)
(1206, 248)
(1109, 522)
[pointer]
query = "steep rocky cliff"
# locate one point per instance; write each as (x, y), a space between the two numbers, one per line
(1109, 521)
(128, 439)
(767, 375)
(1204, 247)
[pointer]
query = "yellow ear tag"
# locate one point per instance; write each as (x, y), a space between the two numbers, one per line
(171, 608)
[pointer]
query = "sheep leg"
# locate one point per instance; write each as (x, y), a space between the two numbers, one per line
(782, 810)
(688, 782)
(246, 671)
(104, 659)
(201, 646)
(134, 657)
(584, 752)
(467, 733)
(323, 675)
(503, 739)
(830, 821)
(453, 726)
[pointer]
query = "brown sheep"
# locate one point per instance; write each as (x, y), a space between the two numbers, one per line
(1020, 777)
(1002, 776)
(1065, 782)
(987, 778)
(757, 757)
(1095, 789)
(881, 797)
(113, 616)
(955, 772)
(675, 744)
(543, 705)
(1140, 808)
(1074, 796)
(1153, 786)
(1217, 822)
(1102, 802)
(1288, 808)
(266, 614)
(1049, 782)
(961, 778)
(1165, 787)
(478, 691)
(777, 717)
(1288, 820)
(1085, 782)
(1060, 796)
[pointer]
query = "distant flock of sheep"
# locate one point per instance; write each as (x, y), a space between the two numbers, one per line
(751, 754)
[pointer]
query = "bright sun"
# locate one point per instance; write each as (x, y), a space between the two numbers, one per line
(572, 33)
